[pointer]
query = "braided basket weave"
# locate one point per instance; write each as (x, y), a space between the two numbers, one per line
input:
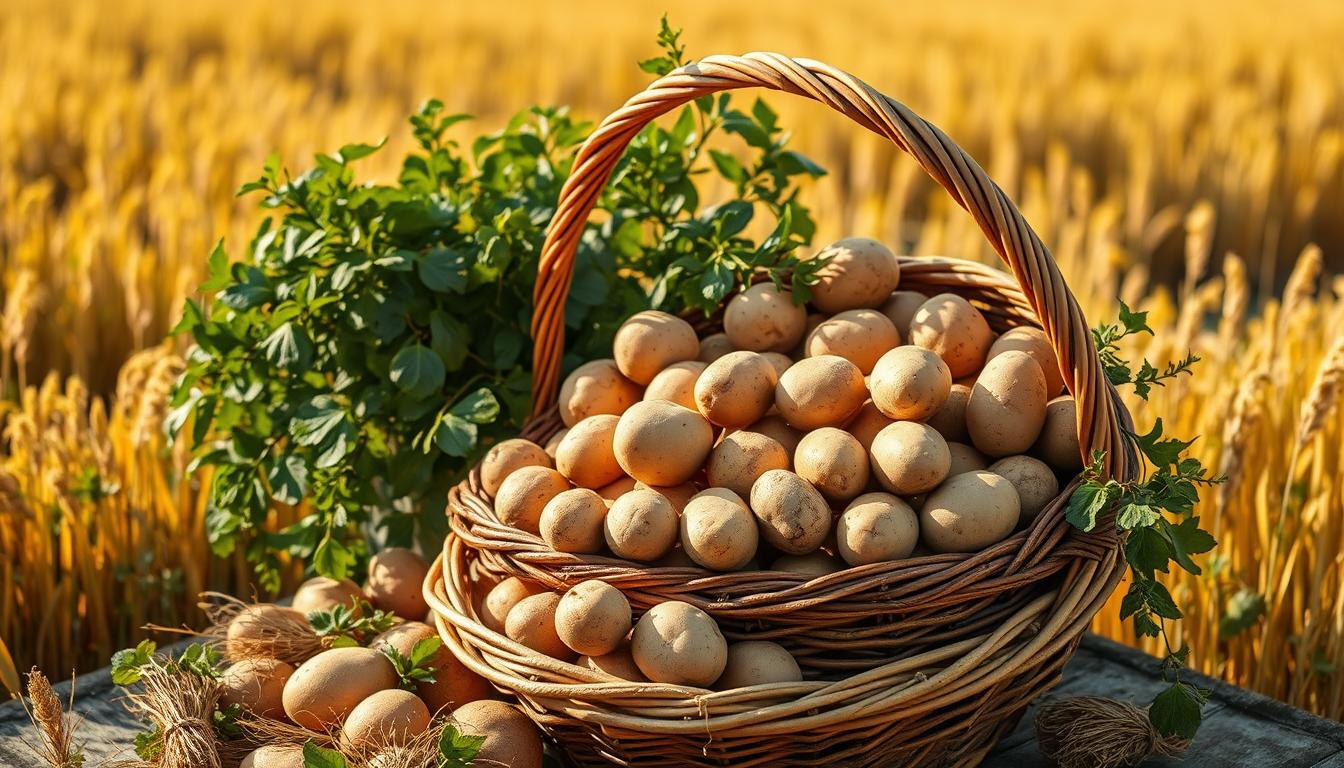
(925, 661)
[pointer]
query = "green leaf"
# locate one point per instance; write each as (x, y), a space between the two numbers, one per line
(352, 152)
(1147, 551)
(333, 559)
(417, 371)
(457, 750)
(289, 348)
(1187, 538)
(1243, 610)
(1162, 453)
(1087, 502)
(1134, 515)
(1134, 322)
(479, 407)
(455, 435)
(128, 662)
(1177, 711)
(318, 757)
(448, 339)
(288, 479)
(728, 166)
(443, 270)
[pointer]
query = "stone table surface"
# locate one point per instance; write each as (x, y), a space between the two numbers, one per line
(1241, 728)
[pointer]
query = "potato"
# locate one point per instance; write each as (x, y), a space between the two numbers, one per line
(867, 423)
(764, 319)
(257, 686)
(741, 457)
(775, 427)
(814, 319)
(396, 582)
(553, 444)
(322, 594)
(1006, 410)
(510, 736)
(661, 443)
(504, 457)
(779, 361)
(820, 392)
(725, 494)
(650, 341)
(572, 522)
(793, 516)
(833, 461)
(859, 273)
(757, 662)
(814, 564)
(677, 643)
(596, 387)
(948, 325)
(678, 494)
(593, 618)
(274, 756)
(1058, 442)
(325, 688)
(385, 719)
(1034, 342)
(736, 389)
(676, 557)
(525, 494)
(861, 336)
(714, 346)
(900, 308)
(908, 458)
(676, 383)
(454, 684)
(910, 383)
(501, 599)
(950, 419)
(532, 623)
(257, 626)
(1035, 483)
(586, 456)
(613, 490)
(969, 512)
(965, 459)
(718, 532)
(619, 664)
(641, 525)
(876, 528)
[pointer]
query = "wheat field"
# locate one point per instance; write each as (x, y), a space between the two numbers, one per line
(1189, 159)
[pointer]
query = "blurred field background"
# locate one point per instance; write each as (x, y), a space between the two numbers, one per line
(1188, 157)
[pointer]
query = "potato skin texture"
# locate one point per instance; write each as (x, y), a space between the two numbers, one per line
(1034, 481)
(505, 457)
(325, 688)
(274, 756)
(764, 319)
(525, 494)
(651, 340)
(758, 662)
(775, 427)
(965, 458)
(532, 622)
(586, 456)
(386, 718)
(677, 643)
(257, 686)
(834, 461)
(661, 443)
(676, 383)
(510, 736)
(718, 532)
(861, 336)
(793, 516)
(572, 521)
(1058, 443)
(714, 346)
(900, 308)
(865, 424)
(497, 603)
(910, 383)
(593, 618)
(948, 325)
(641, 526)
(820, 392)
(909, 458)
(737, 389)
(859, 273)
(950, 419)
(1034, 342)
(597, 386)
(1006, 410)
(321, 593)
(969, 512)
(876, 528)
(454, 684)
(396, 582)
(741, 457)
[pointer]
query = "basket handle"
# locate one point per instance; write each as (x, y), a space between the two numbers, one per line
(1004, 226)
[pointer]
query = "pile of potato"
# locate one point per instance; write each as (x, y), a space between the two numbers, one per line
(355, 691)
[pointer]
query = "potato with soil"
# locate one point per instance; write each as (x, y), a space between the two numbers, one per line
(861, 336)
(593, 618)
(454, 684)
(661, 443)
(774, 427)
(950, 419)
(1033, 341)
(764, 319)
(965, 458)
(714, 346)
(586, 456)
(792, 515)
(511, 739)
(718, 531)
(969, 512)
(396, 583)
(1035, 483)
(1058, 442)
(385, 719)
(532, 623)
(677, 643)
(504, 457)
(572, 522)
(677, 494)
(495, 607)
(525, 494)
(910, 383)
(322, 594)
(859, 273)
(676, 383)
(865, 424)
(620, 664)
(818, 392)
(737, 389)
(613, 491)
(641, 526)
(909, 458)
(953, 329)
(327, 687)
(597, 386)
(650, 341)
(876, 528)
(834, 462)
(1006, 410)
(900, 308)
(741, 457)
(257, 686)
(757, 662)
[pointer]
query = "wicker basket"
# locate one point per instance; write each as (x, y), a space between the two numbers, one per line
(925, 661)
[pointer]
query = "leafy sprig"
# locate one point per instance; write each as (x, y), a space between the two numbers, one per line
(351, 624)
(1155, 514)
(415, 668)
(128, 664)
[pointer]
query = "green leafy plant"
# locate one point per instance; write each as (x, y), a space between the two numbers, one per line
(1155, 513)
(416, 667)
(374, 341)
(199, 659)
(457, 750)
(321, 757)
(350, 625)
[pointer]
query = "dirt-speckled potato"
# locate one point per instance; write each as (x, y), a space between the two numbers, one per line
(1006, 410)
(596, 387)
(737, 389)
(641, 525)
(834, 461)
(876, 528)
(969, 512)
(764, 319)
(586, 456)
(525, 493)
(950, 419)
(613, 490)
(494, 609)
(676, 383)
(910, 383)
(867, 423)
(1058, 443)
(793, 516)
(619, 664)
(741, 457)
(757, 662)
(774, 426)
(861, 336)
(677, 643)
(532, 622)
(714, 346)
(948, 325)
(506, 456)
(650, 341)
(1035, 482)
(718, 532)
(820, 392)
(593, 618)
(965, 458)
(572, 521)
(325, 688)
(510, 736)
(900, 308)
(1033, 341)
(677, 494)
(859, 273)
(662, 443)
(909, 458)
(779, 361)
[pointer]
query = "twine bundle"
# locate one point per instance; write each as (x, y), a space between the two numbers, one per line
(180, 705)
(1093, 732)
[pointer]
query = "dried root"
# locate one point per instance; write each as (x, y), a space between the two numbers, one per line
(272, 634)
(1093, 732)
(180, 705)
